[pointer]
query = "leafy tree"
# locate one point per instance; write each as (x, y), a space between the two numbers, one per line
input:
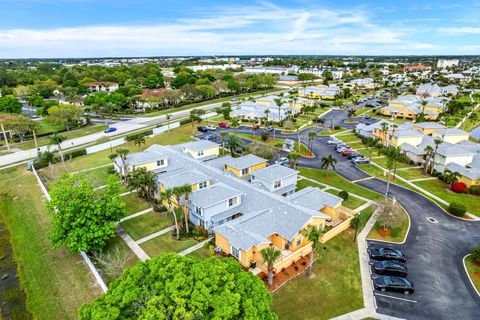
(20, 126)
(84, 219)
(450, 177)
(235, 123)
(314, 235)
(139, 140)
(153, 81)
(195, 117)
(144, 182)
(10, 104)
(476, 254)
(389, 213)
(171, 286)
(270, 255)
(166, 197)
(68, 115)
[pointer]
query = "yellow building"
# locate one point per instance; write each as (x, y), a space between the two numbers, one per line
(149, 159)
(451, 135)
(412, 137)
(245, 165)
(202, 149)
(428, 128)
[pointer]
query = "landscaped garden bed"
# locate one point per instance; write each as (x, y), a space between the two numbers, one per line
(473, 269)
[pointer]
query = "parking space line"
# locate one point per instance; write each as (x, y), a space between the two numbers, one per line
(387, 296)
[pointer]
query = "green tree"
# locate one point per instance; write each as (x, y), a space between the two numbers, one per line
(139, 140)
(57, 140)
(450, 177)
(235, 123)
(68, 115)
(10, 104)
(437, 142)
(270, 255)
(195, 117)
(428, 158)
(186, 190)
(371, 143)
(20, 126)
(122, 153)
(234, 143)
(311, 138)
(314, 235)
(166, 198)
(328, 162)
(171, 286)
(144, 182)
(476, 254)
(84, 219)
(293, 159)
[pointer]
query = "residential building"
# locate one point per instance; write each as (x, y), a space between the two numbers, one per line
(451, 135)
(447, 63)
(324, 92)
(418, 67)
(150, 159)
(202, 149)
(470, 173)
(365, 84)
(242, 166)
(105, 86)
(256, 111)
(434, 90)
(276, 178)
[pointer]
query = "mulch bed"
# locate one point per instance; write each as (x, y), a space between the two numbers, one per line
(280, 278)
(476, 275)
(383, 232)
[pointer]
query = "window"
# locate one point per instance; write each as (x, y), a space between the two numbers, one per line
(198, 210)
(160, 163)
(200, 153)
(277, 184)
(245, 171)
(299, 240)
(232, 201)
(203, 184)
(235, 253)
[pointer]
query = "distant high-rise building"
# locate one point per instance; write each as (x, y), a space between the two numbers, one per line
(445, 63)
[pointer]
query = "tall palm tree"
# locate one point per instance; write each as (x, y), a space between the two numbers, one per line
(223, 136)
(432, 160)
(57, 139)
(138, 141)
(279, 103)
(144, 182)
(328, 162)
(293, 157)
(384, 127)
(371, 143)
(122, 153)
(267, 112)
(187, 190)
(314, 235)
(451, 177)
(234, 142)
(167, 196)
(270, 255)
(48, 157)
(428, 151)
(394, 128)
(311, 137)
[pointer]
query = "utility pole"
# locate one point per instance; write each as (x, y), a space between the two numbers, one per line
(5, 137)
(388, 183)
(36, 144)
(357, 218)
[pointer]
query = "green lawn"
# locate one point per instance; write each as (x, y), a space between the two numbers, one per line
(134, 203)
(397, 235)
(204, 103)
(201, 253)
(440, 189)
(380, 174)
(166, 243)
(46, 127)
(473, 271)
(56, 282)
(97, 177)
(333, 179)
(383, 163)
(117, 246)
(328, 132)
(411, 174)
(336, 288)
(352, 202)
(272, 142)
(349, 138)
(147, 224)
(366, 152)
(303, 183)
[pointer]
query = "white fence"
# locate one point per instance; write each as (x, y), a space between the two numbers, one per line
(208, 115)
(105, 145)
(162, 129)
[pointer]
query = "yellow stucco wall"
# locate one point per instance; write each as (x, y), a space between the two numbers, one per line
(149, 165)
(469, 182)
(238, 172)
(396, 104)
(332, 212)
(452, 138)
(398, 141)
(206, 152)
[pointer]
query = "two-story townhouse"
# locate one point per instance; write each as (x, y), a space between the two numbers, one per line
(428, 128)
(324, 92)
(276, 178)
(250, 110)
(242, 166)
(417, 153)
(451, 135)
(202, 149)
(216, 199)
(470, 174)
(150, 159)
(400, 137)
(318, 200)
(448, 153)
(99, 86)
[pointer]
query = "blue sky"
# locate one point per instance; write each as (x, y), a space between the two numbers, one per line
(93, 28)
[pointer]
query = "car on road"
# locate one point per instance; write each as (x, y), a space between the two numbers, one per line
(341, 149)
(202, 129)
(211, 137)
(360, 160)
(211, 128)
(395, 284)
(384, 253)
(234, 99)
(317, 119)
(333, 142)
(270, 128)
(223, 125)
(110, 129)
(390, 268)
(367, 117)
(346, 152)
(354, 154)
(255, 126)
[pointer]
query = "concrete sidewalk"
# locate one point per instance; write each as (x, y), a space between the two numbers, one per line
(142, 255)
(194, 248)
(154, 235)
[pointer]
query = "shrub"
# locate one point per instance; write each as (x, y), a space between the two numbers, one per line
(77, 153)
(343, 194)
(265, 135)
(132, 137)
(336, 127)
(476, 254)
(295, 267)
(458, 187)
(185, 121)
(457, 209)
(474, 190)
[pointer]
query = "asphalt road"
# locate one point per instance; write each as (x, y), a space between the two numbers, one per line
(435, 250)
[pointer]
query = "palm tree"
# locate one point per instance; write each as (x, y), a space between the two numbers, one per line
(371, 143)
(279, 103)
(311, 137)
(234, 142)
(167, 196)
(270, 255)
(122, 153)
(194, 116)
(437, 144)
(145, 182)
(394, 128)
(235, 123)
(168, 116)
(293, 157)
(186, 190)
(57, 139)
(138, 141)
(384, 127)
(314, 235)
(223, 136)
(428, 152)
(48, 157)
(450, 177)
(267, 112)
(329, 161)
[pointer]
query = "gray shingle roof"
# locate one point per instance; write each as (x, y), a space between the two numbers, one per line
(180, 178)
(450, 131)
(274, 172)
(429, 125)
(314, 198)
(214, 194)
(199, 145)
(243, 162)
(146, 156)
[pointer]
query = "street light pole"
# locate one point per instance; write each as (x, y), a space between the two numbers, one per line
(388, 183)
(357, 218)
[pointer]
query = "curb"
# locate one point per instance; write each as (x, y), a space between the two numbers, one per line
(468, 275)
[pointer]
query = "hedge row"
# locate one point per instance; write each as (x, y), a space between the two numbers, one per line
(132, 137)
(39, 163)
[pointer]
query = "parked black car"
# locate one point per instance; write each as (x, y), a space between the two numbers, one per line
(202, 129)
(390, 267)
(392, 283)
(386, 254)
(353, 154)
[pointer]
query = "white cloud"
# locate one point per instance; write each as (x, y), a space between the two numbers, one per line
(460, 30)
